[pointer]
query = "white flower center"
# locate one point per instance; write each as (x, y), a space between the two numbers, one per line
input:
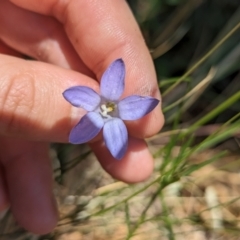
(107, 109)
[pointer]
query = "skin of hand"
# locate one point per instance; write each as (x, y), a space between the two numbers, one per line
(74, 42)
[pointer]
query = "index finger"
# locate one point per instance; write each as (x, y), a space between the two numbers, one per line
(102, 31)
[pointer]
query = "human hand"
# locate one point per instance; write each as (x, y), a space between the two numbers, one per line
(84, 36)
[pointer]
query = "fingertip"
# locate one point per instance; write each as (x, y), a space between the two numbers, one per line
(136, 166)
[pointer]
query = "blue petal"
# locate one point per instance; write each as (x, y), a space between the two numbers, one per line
(135, 107)
(83, 97)
(112, 82)
(116, 137)
(88, 127)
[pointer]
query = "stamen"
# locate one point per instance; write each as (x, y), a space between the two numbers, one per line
(110, 106)
(107, 108)
(103, 107)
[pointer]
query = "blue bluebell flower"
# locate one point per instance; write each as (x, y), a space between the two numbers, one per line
(107, 111)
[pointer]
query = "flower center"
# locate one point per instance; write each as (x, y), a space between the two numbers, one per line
(107, 109)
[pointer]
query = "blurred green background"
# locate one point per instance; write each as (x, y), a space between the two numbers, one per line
(179, 33)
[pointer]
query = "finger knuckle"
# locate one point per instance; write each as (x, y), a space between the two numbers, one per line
(17, 101)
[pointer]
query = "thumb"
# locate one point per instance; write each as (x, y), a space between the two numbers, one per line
(31, 101)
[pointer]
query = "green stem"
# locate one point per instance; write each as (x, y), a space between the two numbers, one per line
(204, 58)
